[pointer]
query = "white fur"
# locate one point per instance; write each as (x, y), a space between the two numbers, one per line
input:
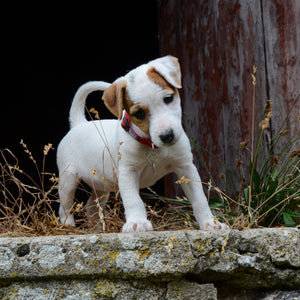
(107, 158)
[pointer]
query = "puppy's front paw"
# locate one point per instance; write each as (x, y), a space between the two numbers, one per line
(137, 226)
(214, 224)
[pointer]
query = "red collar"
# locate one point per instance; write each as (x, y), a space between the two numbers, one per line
(145, 141)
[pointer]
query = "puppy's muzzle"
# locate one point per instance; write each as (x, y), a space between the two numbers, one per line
(167, 137)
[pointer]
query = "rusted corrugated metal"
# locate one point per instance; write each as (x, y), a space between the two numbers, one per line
(217, 43)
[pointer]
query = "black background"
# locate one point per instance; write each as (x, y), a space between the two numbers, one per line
(51, 49)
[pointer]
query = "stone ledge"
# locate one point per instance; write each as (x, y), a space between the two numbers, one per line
(107, 264)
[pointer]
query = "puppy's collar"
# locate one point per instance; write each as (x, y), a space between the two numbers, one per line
(145, 141)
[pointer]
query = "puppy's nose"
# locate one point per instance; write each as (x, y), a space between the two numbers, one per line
(167, 137)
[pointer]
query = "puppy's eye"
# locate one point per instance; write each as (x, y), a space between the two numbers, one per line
(168, 99)
(139, 114)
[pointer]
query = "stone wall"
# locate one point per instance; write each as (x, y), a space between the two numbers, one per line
(250, 264)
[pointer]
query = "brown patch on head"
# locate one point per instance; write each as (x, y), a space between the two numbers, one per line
(158, 79)
(138, 113)
(168, 67)
(113, 98)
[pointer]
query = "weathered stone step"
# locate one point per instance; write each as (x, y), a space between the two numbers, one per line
(151, 265)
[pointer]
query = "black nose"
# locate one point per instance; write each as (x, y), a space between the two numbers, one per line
(167, 137)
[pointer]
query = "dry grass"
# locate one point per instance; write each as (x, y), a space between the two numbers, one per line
(29, 206)
(263, 189)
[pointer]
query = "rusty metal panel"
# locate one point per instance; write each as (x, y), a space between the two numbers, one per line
(217, 43)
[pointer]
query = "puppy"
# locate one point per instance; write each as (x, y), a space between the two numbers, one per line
(143, 145)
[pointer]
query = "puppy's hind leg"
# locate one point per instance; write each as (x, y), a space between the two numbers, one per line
(94, 206)
(66, 190)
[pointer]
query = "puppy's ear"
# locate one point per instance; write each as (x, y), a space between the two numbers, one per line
(168, 67)
(113, 97)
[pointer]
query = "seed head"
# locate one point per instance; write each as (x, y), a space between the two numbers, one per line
(244, 144)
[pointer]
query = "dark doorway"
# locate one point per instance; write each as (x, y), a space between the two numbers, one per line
(53, 50)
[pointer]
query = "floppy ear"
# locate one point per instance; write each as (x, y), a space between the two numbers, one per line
(113, 98)
(168, 67)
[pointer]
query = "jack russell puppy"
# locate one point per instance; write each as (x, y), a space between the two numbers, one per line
(143, 145)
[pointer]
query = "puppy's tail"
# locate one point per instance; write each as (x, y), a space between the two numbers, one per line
(77, 115)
